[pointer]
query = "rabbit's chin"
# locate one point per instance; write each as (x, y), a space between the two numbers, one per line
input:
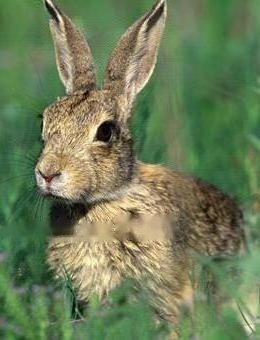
(88, 198)
(57, 196)
(50, 192)
(83, 197)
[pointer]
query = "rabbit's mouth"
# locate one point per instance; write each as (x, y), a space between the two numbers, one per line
(49, 185)
(58, 187)
(49, 193)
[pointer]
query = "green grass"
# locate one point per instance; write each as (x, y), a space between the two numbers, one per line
(200, 114)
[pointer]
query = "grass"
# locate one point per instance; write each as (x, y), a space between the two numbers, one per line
(199, 114)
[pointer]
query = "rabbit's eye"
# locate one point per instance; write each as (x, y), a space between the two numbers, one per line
(105, 132)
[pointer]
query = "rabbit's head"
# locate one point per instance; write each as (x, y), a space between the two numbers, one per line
(87, 153)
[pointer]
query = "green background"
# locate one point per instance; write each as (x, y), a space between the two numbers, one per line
(199, 114)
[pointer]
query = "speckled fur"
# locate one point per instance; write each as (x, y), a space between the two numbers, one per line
(103, 181)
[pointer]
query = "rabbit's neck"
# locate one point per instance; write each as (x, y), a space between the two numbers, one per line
(138, 197)
(132, 198)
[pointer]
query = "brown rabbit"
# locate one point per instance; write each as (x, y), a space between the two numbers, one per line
(88, 163)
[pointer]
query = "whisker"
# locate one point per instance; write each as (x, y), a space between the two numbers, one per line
(30, 157)
(14, 160)
(9, 163)
(24, 140)
(36, 207)
(42, 205)
(22, 202)
(6, 180)
(23, 157)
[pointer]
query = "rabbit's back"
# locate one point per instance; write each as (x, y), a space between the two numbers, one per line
(211, 221)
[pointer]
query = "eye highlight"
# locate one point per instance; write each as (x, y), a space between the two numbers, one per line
(105, 132)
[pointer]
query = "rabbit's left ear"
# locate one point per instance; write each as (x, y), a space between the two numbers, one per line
(73, 56)
(134, 58)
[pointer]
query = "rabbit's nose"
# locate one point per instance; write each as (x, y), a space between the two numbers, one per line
(48, 178)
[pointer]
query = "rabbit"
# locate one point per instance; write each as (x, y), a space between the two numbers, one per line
(88, 166)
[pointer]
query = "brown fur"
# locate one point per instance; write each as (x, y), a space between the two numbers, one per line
(102, 181)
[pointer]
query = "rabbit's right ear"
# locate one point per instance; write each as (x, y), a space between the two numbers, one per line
(73, 56)
(134, 58)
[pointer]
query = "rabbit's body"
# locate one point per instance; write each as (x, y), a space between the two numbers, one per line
(88, 161)
(199, 214)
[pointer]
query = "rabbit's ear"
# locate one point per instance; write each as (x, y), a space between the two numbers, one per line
(134, 58)
(73, 56)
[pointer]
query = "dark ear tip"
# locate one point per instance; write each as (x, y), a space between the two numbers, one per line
(156, 13)
(161, 5)
(53, 10)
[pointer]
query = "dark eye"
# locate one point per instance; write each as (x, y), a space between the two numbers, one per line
(105, 132)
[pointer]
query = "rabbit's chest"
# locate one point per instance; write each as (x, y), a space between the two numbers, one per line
(90, 266)
(96, 267)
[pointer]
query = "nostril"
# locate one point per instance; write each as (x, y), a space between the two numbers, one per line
(49, 178)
